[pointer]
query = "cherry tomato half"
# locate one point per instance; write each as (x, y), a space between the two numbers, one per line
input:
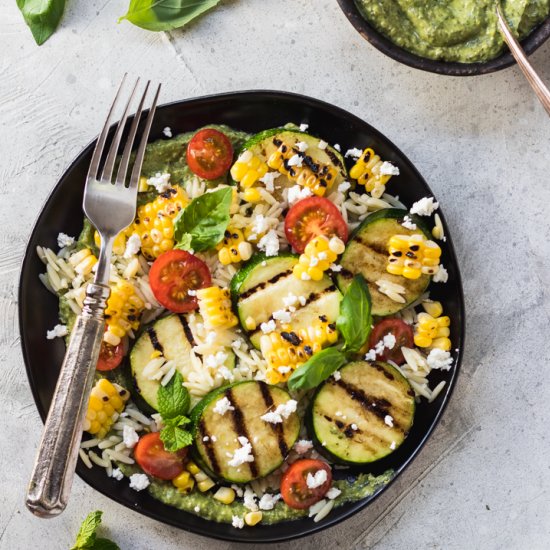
(155, 460)
(294, 489)
(110, 357)
(173, 274)
(312, 217)
(403, 337)
(209, 154)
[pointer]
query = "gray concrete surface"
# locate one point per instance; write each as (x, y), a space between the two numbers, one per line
(482, 143)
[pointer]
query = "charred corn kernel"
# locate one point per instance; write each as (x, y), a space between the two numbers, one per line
(253, 518)
(184, 482)
(106, 402)
(154, 223)
(288, 349)
(233, 248)
(215, 307)
(317, 177)
(205, 485)
(248, 169)
(412, 255)
(123, 311)
(143, 185)
(225, 495)
(435, 309)
(252, 194)
(119, 244)
(367, 171)
(193, 468)
(319, 253)
(250, 323)
(432, 329)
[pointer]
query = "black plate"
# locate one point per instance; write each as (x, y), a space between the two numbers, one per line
(535, 39)
(251, 112)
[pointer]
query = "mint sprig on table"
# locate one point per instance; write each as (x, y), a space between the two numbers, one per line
(87, 538)
(173, 405)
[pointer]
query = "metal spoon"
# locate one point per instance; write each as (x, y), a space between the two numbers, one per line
(543, 93)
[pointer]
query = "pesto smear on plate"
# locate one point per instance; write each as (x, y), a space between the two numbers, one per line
(455, 30)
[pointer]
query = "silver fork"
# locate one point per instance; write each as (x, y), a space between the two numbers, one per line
(111, 207)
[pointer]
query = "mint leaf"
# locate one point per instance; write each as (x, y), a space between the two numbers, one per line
(87, 533)
(316, 369)
(104, 544)
(177, 421)
(175, 438)
(184, 242)
(173, 399)
(205, 218)
(355, 320)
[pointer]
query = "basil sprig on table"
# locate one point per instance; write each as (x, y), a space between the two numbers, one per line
(165, 15)
(173, 404)
(202, 224)
(87, 538)
(42, 17)
(354, 324)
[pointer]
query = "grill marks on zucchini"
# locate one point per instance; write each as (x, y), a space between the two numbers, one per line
(277, 428)
(157, 346)
(187, 330)
(264, 284)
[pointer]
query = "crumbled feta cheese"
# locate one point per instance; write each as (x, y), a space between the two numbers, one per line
(338, 413)
(238, 490)
(441, 275)
(370, 355)
(161, 182)
(388, 420)
(389, 169)
(335, 267)
(197, 509)
(260, 224)
(389, 341)
(355, 153)
(283, 370)
(129, 436)
(297, 193)
(64, 240)
(302, 300)
(282, 412)
(322, 145)
(268, 327)
(167, 132)
(354, 427)
(305, 276)
(302, 146)
(206, 438)
(316, 480)
(283, 316)
(313, 261)
(242, 454)
(57, 332)
(333, 493)
(408, 223)
(290, 300)
(392, 446)
(117, 474)
(267, 502)
(223, 405)
(226, 374)
(303, 127)
(138, 482)
(295, 160)
(426, 206)
(344, 186)
(236, 344)
(191, 292)
(337, 375)
(133, 246)
(337, 147)
(249, 498)
(237, 522)
(439, 359)
(214, 438)
(269, 243)
(214, 361)
(268, 179)
(303, 446)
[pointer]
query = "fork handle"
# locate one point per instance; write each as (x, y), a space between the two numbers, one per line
(53, 471)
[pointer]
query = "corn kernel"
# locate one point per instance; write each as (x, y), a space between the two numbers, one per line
(412, 255)
(252, 194)
(367, 172)
(193, 468)
(233, 248)
(205, 485)
(225, 495)
(441, 343)
(250, 323)
(435, 309)
(248, 169)
(253, 518)
(106, 402)
(432, 330)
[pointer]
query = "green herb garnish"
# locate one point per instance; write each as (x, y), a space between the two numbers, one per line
(87, 539)
(317, 369)
(42, 17)
(355, 320)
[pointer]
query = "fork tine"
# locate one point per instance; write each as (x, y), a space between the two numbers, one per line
(123, 166)
(136, 170)
(113, 150)
(100, 144)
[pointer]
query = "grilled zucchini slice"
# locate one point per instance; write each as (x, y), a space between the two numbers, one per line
(364, 415)
(216, 435)
(259, 288)
(367, 253)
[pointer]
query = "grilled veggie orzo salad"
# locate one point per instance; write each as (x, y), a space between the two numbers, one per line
(269, 324)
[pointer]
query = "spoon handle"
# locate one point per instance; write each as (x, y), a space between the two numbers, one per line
(543, 93)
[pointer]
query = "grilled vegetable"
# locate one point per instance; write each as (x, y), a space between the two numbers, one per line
(106, 402)
(266, 284)
(229, 419)
(367, 253)
(370, 171)
(364, 415)
(234, 248)
(215, 307)
(320, 252)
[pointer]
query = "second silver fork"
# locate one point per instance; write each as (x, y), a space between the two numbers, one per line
(110, 205)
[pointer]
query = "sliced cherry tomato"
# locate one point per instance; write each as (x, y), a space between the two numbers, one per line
(209, 154)
(155, 460)
(312, 217)
(294, 489)
(110, 357)
(403, 337)
(173, 274)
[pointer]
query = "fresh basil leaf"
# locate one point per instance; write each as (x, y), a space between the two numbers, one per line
(179, 420)
(165, 15)
(42, 17)
(175, 438)
(205, 218)
(104, 544)
(173, 399)
(355, 320)
(184, 242)
(316, 369)
(87, 533)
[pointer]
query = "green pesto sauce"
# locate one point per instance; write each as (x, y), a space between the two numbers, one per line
(451, 30)
(209, 508)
